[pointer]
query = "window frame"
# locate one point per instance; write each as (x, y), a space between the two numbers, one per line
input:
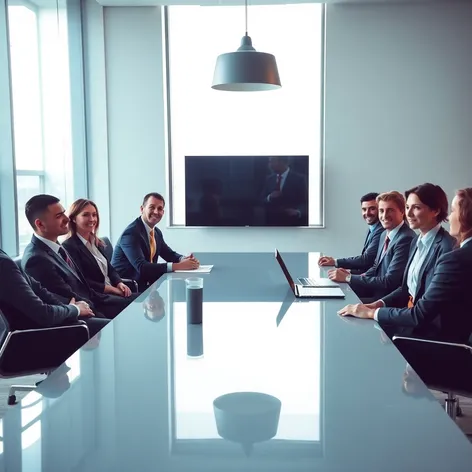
(168, 123)
(9, 231)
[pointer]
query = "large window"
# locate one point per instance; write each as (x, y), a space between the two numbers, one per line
(207, 122)
(39, 35)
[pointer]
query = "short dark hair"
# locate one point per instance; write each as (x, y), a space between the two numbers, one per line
(37, 205)
(434, 197)
(369, 197)
(156, 195)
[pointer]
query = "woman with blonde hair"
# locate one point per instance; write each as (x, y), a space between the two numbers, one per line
(87, 250)
(443, 311)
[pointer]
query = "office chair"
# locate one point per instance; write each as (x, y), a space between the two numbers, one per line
(108, 249)
(442, 366)
(36, 351)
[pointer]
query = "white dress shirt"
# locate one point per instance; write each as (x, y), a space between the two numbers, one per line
(423, 246)
(99, 257)
(148, 231)
(55, 247)
(466, 241)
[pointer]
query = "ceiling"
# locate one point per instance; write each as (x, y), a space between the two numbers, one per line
(142, 3)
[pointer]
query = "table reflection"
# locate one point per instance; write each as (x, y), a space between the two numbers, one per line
(249, 353)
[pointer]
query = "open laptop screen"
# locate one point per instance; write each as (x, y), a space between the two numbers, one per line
(285, 270)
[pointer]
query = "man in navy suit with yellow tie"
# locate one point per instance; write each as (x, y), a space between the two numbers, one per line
(137, 252)
(363, 262)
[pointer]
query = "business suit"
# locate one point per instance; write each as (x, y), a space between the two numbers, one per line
(442, 244)
(28, 305)
(132, 254)
(387, 272)
(88, 265)
(443, 311)
(294, 195)
(48, 267)
(360, 264)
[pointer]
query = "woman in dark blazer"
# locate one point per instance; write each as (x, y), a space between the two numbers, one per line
(87, 250)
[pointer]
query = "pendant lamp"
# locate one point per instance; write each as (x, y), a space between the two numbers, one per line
(246, 70)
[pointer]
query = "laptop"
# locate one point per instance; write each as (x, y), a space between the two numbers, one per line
(320, 290)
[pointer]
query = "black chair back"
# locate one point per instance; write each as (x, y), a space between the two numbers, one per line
(34, 351)
(108, 249)
(440, 365)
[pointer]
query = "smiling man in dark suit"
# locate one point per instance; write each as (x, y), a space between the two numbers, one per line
(363, 262)
(138, 249)
(392, 256)
(50, 264)
(285, 195)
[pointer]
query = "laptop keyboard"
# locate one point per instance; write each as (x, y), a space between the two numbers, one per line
(306, 281)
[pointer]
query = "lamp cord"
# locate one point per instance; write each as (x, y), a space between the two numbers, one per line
(245, 14)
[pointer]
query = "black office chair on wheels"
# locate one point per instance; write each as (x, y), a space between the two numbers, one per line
(442, 366)
(36, 351)
(108, 249)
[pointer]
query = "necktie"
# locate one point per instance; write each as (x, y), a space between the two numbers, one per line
(152, 244)
(278, 182)
(387, 241)
(65, 256)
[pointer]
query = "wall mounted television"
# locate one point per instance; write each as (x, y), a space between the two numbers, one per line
(246, 191)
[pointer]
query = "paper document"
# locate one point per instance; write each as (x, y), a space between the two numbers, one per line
(203, 269)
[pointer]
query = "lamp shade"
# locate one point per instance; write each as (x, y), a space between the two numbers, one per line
(246, 70)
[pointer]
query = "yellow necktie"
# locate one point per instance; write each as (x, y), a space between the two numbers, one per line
(152, 244)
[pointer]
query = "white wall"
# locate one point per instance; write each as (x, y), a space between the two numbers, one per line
(398, 113)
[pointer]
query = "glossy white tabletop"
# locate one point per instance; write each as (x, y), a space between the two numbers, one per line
(326, 393)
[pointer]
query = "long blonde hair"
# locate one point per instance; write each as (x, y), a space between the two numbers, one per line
(75, 209)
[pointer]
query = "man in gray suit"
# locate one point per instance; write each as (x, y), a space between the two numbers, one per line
(392, 256)
(363, 262)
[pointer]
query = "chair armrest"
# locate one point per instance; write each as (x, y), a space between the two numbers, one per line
(132, 284)
(401, 339)
(41, 350)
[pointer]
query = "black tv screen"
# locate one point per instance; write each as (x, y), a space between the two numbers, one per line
(246, 190)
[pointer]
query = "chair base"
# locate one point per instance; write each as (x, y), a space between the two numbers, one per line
(12, 400)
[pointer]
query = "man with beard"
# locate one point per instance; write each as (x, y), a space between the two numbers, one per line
(363, 262)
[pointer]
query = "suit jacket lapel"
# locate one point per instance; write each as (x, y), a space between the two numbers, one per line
(145, 236)
(429, 257)
(367, 239)
(55, 256)
(83, 249)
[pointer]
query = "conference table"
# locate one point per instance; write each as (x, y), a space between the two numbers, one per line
(267, 382)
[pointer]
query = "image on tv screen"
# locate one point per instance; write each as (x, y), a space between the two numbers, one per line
(246, 190)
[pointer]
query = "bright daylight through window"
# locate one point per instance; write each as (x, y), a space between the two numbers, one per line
(40, 87)
(208, 122)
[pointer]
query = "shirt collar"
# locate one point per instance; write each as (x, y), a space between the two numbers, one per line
(148, 228)
(428, 238)
(394, 232)
(466, 241)
(374, 226)
(284, 174)
(51, 244)
(82, 239)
